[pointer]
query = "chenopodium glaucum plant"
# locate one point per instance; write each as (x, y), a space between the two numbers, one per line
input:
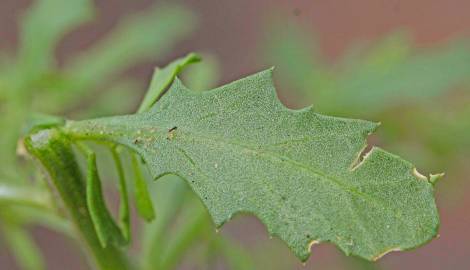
(242, 151)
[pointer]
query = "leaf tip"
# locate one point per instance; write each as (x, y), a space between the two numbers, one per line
(192, 58)
(434, 178)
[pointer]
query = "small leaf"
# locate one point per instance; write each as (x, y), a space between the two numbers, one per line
(298, 171)
(162, 78)
(54, 150)
(143, 202)
(204, 75)
(105, 227)
(124, 216)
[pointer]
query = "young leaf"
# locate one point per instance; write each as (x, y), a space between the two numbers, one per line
(143, 203)
(105, 227)
(298, 171)
(124, 216)
(162, 78)
(55, 152)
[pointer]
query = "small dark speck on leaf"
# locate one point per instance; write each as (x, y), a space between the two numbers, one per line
(170, 133)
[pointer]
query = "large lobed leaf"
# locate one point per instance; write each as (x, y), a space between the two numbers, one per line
(298, 171)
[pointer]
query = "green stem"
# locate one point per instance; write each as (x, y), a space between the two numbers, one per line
(54, 151)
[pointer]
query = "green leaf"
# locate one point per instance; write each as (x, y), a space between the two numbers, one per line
(124, 216)
(162, 78)
(105, 227)
(204, 75)
(170, 194)
(143, 203)
(298, 171)
(54, 150)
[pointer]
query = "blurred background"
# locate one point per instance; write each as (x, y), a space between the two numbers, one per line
(405, 63)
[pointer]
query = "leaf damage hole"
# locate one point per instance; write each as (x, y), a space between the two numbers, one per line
(364, 153)
(362, 156)
(419, 175)
(375, 258)
(433, 178)
(313, 242)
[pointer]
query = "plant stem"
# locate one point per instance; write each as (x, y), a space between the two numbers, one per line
(54, 150)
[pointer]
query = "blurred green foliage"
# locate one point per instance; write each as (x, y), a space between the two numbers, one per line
(32, 81)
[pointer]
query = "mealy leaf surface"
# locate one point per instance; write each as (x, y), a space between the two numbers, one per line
(242, 151)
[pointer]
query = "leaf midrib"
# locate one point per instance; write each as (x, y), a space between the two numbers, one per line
(89, 130)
